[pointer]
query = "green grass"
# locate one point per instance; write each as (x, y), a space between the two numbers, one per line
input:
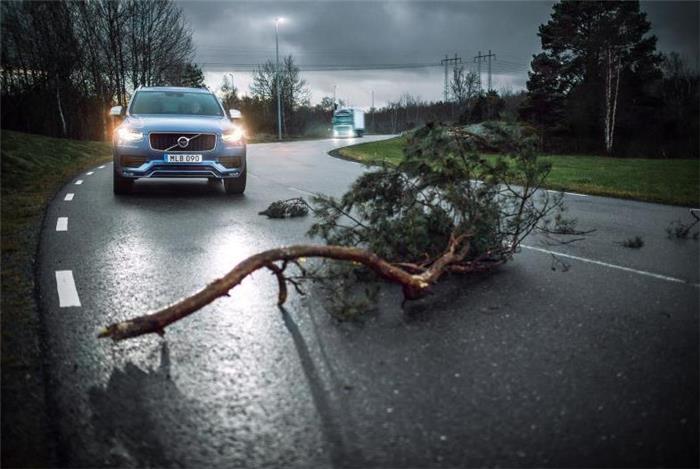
(33, 169)
(675, 182)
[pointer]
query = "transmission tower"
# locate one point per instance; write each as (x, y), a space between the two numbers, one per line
(446, 62)
(478, 59)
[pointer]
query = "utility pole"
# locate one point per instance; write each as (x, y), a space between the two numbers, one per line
(372, 109)
(446, 61)
(478, 59)
(277, 79)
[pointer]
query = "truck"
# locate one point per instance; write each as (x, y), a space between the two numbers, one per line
(348, 122)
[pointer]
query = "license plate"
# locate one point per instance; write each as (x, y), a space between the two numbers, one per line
(184, 158)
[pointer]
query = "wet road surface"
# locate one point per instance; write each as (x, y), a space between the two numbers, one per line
(596, 366)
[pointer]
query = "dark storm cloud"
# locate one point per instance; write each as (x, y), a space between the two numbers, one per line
(389, 33)
(366, 32)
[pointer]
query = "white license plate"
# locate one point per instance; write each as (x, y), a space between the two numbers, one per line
(184, 158)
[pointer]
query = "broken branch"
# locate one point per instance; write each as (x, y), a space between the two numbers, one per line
(414, 285)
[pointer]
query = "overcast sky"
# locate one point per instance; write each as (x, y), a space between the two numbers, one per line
(231, 36)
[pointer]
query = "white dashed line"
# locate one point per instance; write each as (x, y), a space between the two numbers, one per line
(612, 266)
(78, 182)
(67, 293)
(100, 167)
(62, 224)
(89, 173)
(69, 197)
(301, 191)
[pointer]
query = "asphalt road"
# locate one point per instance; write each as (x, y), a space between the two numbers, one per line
(594, 366)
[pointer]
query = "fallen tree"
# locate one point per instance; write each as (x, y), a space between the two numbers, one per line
(444, 209)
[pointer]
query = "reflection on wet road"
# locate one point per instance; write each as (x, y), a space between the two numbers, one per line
(507, 370)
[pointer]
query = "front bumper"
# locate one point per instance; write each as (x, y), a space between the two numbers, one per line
(343, 131)
(152, 163)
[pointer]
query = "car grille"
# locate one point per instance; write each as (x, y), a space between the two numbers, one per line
(204, 142)
(132, 161)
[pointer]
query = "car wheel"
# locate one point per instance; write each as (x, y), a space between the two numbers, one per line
(237, 185)
(122, 185)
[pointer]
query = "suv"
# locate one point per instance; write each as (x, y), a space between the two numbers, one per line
(172, 132)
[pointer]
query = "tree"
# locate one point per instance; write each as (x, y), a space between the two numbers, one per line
(594, 52)
(65, 63)
(192, 76)
(293, 90)
(464, 85)
(229, 94)
(411, 225)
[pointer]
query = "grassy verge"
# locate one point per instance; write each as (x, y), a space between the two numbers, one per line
(675, 182)
(33, 169)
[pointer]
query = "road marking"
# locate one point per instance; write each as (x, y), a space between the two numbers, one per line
(89, 173)
(67, 293)
(69, 197)
(569, 193)
(62, 224)
(302, 191)
(100, 167)
(79, 182)
(612, 266)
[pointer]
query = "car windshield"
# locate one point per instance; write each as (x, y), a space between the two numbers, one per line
(175, 102)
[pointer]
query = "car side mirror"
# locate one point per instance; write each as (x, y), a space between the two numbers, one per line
(235, 114)
(116, 111)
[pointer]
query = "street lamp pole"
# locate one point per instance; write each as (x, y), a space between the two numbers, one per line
(277, 79)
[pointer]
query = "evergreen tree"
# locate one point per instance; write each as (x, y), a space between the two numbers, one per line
(594, 71)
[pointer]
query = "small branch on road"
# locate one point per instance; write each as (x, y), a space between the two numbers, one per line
(414, 285)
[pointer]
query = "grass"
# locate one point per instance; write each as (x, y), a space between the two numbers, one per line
(675, 182)
(33, 169)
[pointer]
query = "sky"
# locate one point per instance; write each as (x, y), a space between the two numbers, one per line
(393, 47)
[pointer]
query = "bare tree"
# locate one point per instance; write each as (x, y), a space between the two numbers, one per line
(464, 85)
(293, 90)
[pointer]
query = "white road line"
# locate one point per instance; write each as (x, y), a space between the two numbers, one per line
(69, 196)
(301, 191)
(570, 193)
(67, 293)
(62, 224)
(100, 167)
(79, 182)
(612, 266)
(89, 173)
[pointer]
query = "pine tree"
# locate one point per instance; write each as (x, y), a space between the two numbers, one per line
(596, 57)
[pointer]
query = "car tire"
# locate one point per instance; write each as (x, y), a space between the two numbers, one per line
(237, 185)
(122, 185)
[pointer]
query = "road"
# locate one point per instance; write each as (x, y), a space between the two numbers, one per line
(594, 366)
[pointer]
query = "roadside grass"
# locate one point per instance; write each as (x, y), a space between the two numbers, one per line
(674, 182)
(33, 169)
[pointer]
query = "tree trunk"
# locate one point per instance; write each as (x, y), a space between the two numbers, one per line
(60, 110)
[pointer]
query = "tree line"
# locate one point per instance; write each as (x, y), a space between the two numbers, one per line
(598, 86)
(64, 64)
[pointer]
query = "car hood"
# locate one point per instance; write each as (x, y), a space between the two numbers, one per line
(193, 124)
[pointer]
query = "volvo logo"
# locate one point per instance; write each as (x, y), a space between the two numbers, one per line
(183, 141)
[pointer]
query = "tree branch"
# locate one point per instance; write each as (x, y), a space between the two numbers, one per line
(414, 285)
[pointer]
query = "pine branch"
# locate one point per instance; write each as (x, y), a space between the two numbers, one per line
(414, 285)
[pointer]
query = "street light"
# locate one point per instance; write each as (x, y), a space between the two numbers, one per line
(277, 77)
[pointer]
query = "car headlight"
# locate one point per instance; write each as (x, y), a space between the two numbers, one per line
(233, 135)
(127, 135)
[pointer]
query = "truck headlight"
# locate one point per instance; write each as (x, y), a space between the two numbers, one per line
(127, 135)
(233, 135)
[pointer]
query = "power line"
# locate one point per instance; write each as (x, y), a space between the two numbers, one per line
(321, 67)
